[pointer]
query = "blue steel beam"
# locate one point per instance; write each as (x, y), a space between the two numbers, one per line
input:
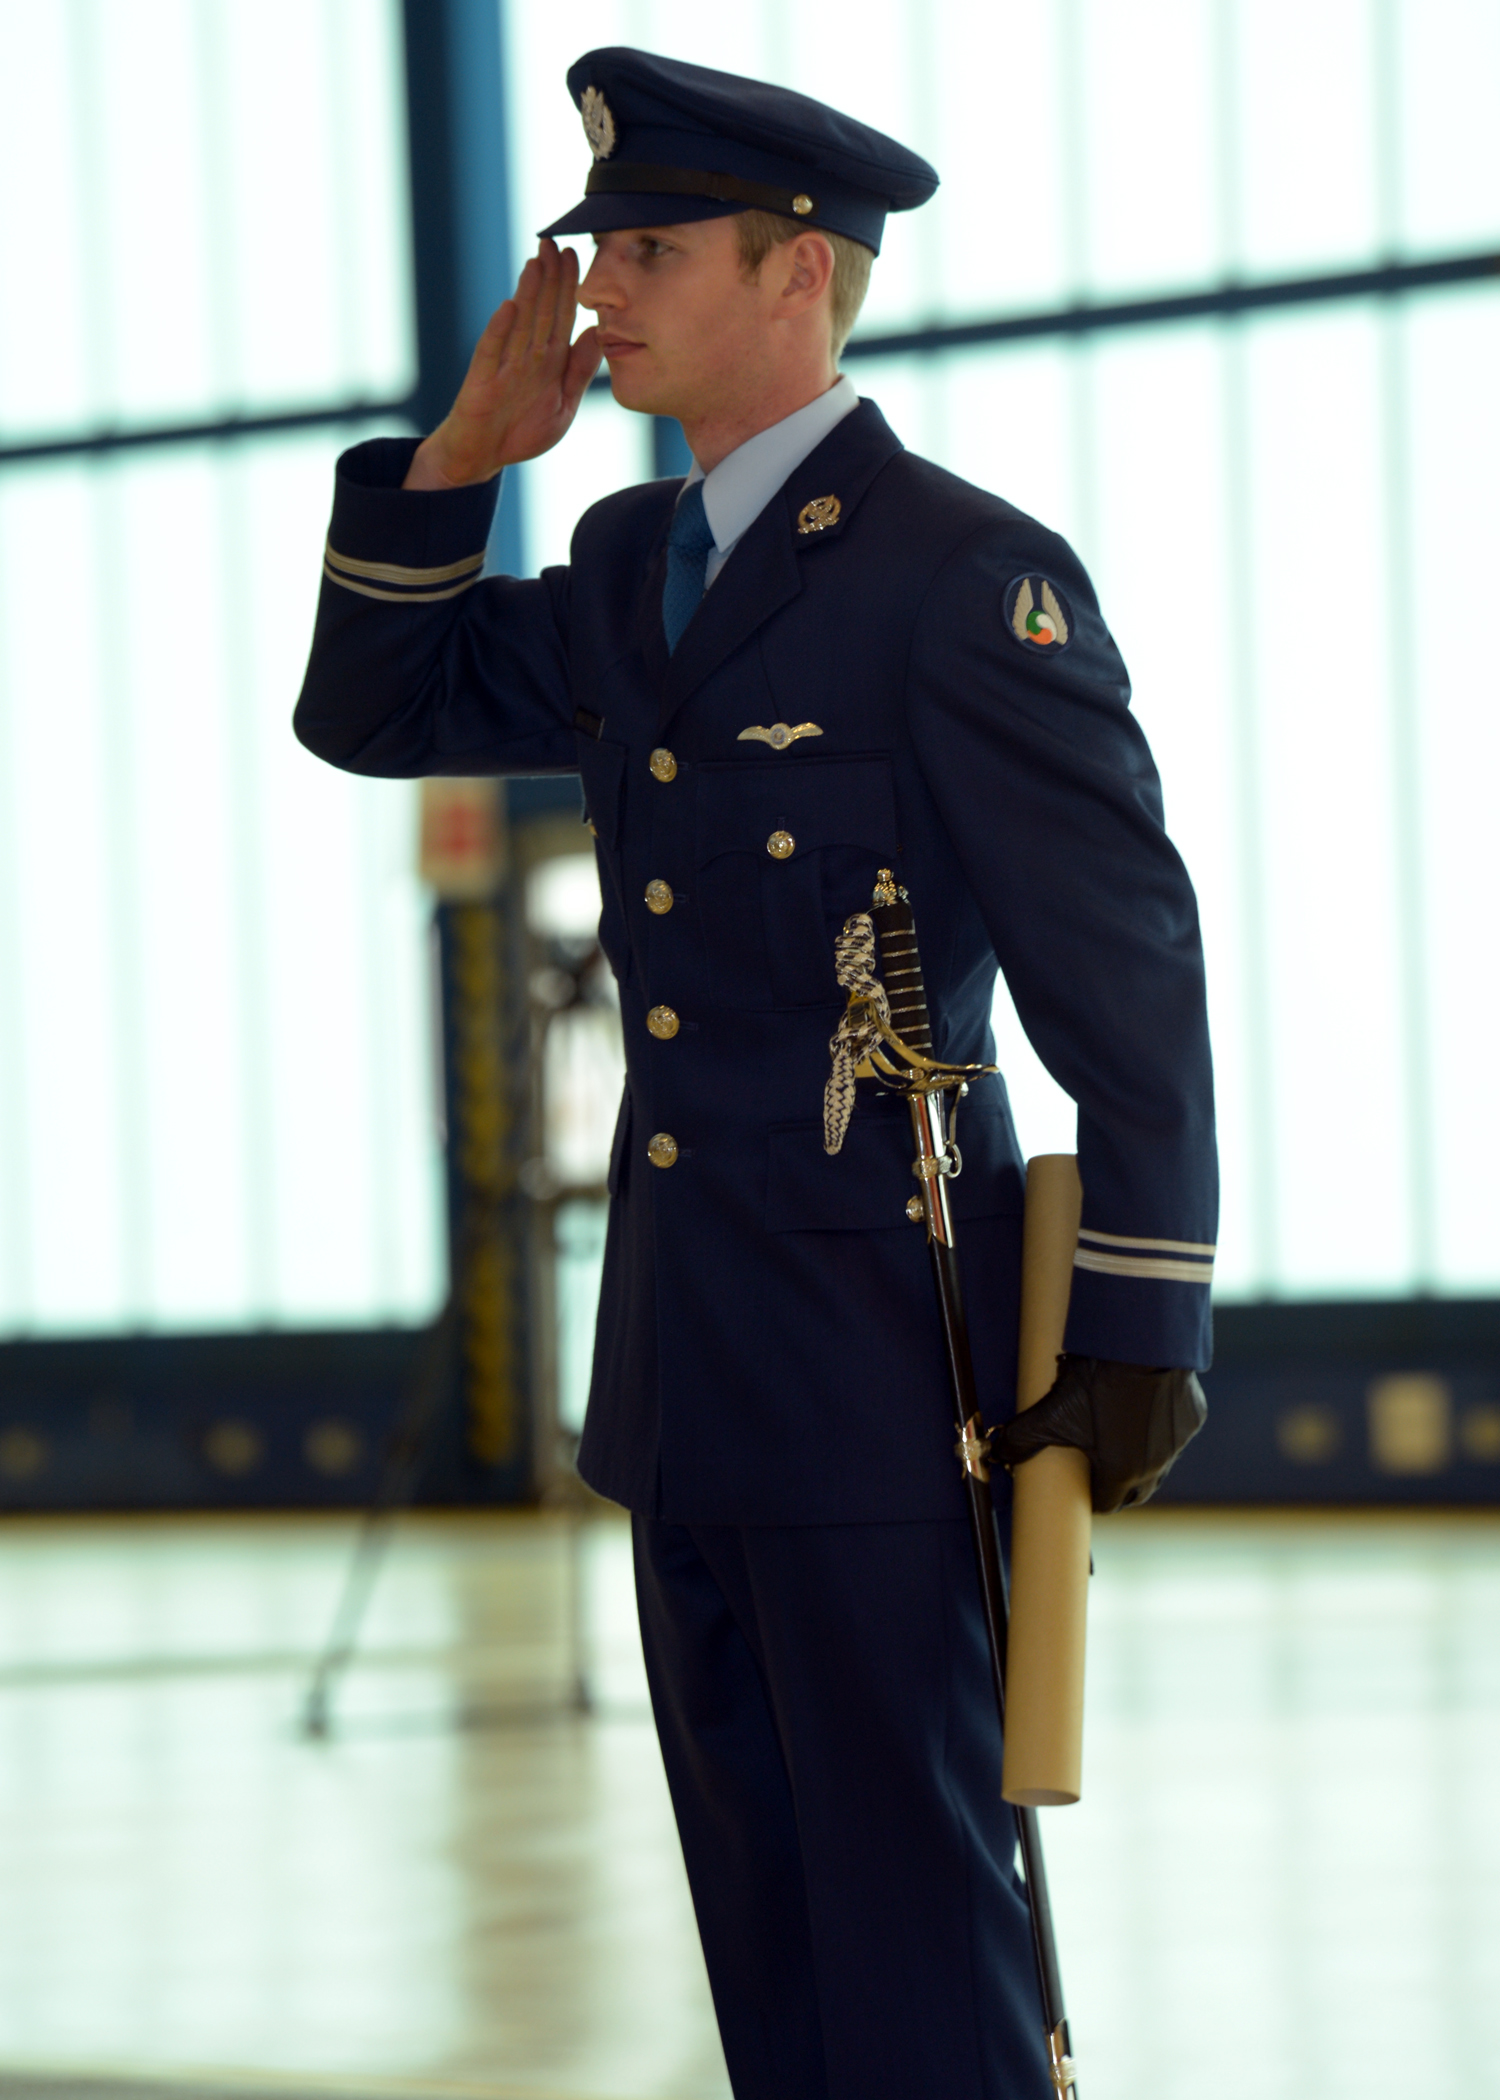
(460, 202)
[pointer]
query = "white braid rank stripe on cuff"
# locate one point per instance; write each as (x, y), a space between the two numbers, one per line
(1116, 1239)
(1145, 1260)
(1144, 1269)
(343, 569)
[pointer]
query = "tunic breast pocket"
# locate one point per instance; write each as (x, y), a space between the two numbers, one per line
(785, 852)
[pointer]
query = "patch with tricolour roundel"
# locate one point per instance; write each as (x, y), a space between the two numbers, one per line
(1037, 614)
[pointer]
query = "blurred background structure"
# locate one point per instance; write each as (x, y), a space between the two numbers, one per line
(1212, 286)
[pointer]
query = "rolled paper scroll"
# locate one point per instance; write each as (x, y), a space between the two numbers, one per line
(1052, 1525)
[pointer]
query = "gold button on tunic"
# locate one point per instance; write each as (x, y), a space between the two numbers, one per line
(659, 897)
(663, 1023)
(663, 764)
(781, 845)
(662, 1150)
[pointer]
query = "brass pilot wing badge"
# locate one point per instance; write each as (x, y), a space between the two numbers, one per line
(1037, 613)
(779, 735)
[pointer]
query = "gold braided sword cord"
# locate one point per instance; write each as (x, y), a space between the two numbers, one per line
(865, 1023)
(859, 1024)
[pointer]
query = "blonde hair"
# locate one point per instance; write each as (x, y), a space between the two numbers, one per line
(761, 231)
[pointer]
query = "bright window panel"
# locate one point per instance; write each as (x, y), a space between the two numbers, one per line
(207, 204)
(1450, 352)
(46, 379)
(146, 213)
(216, 1103)
(1306, 181)
(1315, 417)
(1144, 132)
(1003, 228)
(1447, 64)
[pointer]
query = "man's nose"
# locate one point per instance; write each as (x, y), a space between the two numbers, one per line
(597, 291)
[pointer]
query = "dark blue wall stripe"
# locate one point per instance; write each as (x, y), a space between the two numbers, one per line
(1222, 303)
(225, 430)
(461, 289)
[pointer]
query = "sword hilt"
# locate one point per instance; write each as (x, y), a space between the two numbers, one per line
(901, 964)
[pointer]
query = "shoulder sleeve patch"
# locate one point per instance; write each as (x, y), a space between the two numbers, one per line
(1037, 614)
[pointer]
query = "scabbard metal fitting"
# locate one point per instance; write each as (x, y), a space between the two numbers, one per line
(973, 1448)
(1060, 2064)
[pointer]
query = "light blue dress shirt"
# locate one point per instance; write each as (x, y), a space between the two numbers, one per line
(741, 485)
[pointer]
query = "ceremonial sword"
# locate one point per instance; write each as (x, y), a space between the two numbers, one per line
(885, 1033)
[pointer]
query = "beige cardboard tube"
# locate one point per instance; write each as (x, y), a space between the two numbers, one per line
(1049, 1568)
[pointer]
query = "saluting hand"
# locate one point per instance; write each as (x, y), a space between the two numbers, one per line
(524, 382)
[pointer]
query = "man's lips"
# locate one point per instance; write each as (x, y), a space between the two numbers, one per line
(618, 345)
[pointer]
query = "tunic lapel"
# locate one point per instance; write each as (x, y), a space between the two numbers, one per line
(759, 577)
(650, 633)
(765, 570)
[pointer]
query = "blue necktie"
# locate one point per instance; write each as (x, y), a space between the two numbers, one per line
(688, 544)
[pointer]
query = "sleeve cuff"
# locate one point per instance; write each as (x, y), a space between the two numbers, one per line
(413, 545)
(1132, 1319)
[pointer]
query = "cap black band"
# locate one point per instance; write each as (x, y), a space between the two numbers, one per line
(634, 178)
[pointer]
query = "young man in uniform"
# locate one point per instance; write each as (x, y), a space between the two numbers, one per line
(815, 658)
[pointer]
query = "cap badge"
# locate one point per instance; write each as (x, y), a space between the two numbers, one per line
(818, 515)
(779, 735)
(1038, 616)
(598, 123)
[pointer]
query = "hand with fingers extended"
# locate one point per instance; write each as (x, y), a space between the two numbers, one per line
(524, 382)
(1130, 1420)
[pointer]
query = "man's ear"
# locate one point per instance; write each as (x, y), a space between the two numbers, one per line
(808, 272)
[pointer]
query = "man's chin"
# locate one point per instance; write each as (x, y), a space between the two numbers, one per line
(633, 387)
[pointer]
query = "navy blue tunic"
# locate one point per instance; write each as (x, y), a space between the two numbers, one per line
(768, 1349)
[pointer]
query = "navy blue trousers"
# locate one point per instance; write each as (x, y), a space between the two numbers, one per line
(823, 1701)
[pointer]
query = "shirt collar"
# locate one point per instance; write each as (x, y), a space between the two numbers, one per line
(741, 485)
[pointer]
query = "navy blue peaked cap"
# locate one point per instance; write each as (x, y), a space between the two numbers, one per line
(674, 143)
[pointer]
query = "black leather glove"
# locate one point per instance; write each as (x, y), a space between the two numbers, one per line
(1131, 1420)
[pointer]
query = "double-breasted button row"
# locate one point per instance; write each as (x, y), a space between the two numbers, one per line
(659, 897)
(781, 845)
(663, 1023)
(662, 1150)
(663, 765)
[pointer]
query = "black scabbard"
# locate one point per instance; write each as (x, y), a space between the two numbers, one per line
(900, 967)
